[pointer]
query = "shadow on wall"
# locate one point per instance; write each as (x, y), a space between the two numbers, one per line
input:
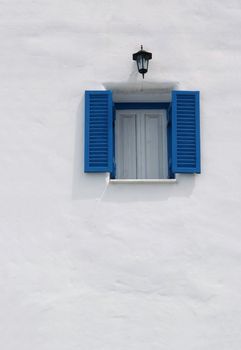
(96, 186)
(155, 192)
(133, 77)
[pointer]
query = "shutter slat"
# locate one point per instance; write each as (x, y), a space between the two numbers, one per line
(185, 132)
(98, 131)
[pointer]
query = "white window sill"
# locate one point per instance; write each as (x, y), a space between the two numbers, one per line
(142, 181)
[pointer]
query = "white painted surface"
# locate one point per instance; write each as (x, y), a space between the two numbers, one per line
(142, 181)
(89, 265)
(141, 144)
(138, 91)
(154, 147)
(126, 133)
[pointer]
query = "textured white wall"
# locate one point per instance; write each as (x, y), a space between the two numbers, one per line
(88, 266)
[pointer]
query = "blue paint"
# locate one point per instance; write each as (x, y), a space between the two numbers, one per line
(113, 173)
(98, 131)
(171, 175)
(185, 132)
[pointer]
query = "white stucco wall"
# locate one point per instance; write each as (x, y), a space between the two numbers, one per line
(90, 266)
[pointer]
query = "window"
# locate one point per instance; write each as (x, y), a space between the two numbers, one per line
(142, 140)
(141, 143)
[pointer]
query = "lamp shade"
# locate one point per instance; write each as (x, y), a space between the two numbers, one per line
(142, 58)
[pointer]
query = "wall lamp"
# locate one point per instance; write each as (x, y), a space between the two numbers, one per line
(142, 58)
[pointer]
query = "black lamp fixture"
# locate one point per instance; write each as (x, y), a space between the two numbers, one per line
(142, 58)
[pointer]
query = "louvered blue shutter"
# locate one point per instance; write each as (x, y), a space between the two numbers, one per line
(98, 131)
(185, 132)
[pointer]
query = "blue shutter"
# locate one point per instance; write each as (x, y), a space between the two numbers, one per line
(98, 131)
(185, 132)
(171, 175)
